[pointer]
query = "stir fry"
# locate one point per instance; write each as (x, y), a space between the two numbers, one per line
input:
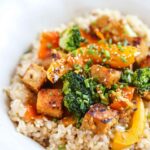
(93, 79)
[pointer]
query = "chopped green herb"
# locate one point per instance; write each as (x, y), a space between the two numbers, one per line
(51, 94)
(104, 99)
(119, 45)
(77, 67)
(87, 66)
(66, 88)
(104, 60)
(62, 147)
(81, 51)
(148, 116)
(105, 54)
(55, 120)
(125, 43)
(103, 94)
(122, 85)
(92, 49)
(78, 124)
(106, 28)
(58, 48)
(85, 96)
(49, 45)
(74, 53)
(110, 41)
(86, 81)
(123, 59)
(127, 75)
(78, 93)
(115, 86)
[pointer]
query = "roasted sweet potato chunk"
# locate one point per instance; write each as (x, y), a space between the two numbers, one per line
(106, 76)
(99, 119)
(49, 102)
(34, 77)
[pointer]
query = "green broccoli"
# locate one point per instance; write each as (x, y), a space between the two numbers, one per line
(71, 38)
(80, 93)
(140, 78)
(127, 75)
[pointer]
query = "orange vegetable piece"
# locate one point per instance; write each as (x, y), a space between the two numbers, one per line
(131, 136)
(90, 38)
(69, 120)
(118, 105)
(31, 113)
(57, 69)
(99, 34)
(48, 40)
(127, 92)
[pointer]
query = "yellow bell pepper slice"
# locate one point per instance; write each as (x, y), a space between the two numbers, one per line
(125, 139)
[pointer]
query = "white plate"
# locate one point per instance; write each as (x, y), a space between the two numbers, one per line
(20, 21)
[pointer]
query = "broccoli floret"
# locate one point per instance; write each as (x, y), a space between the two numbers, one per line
(71, 38)
(127, 75)
(80, 93)
(140, 79)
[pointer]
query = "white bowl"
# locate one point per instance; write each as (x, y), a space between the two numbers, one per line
(20, 21)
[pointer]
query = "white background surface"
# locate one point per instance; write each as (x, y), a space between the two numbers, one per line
(20, 21)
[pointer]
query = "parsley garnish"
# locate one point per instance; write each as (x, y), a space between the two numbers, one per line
(119, 45)
(123, 59)
(49, 45)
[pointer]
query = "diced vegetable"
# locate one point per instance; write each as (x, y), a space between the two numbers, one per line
(69, 120)
(99, 119)
(106, 76)
(122, 98)
(103, 94)
(71, 38)
(31, 113)
(79, 93)
(89, 37)
(124, 139)
(127, 76)
(34, 77)
(57, 69)
(49, 102)
(54, 55)
(48, 40)
(140, 79)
